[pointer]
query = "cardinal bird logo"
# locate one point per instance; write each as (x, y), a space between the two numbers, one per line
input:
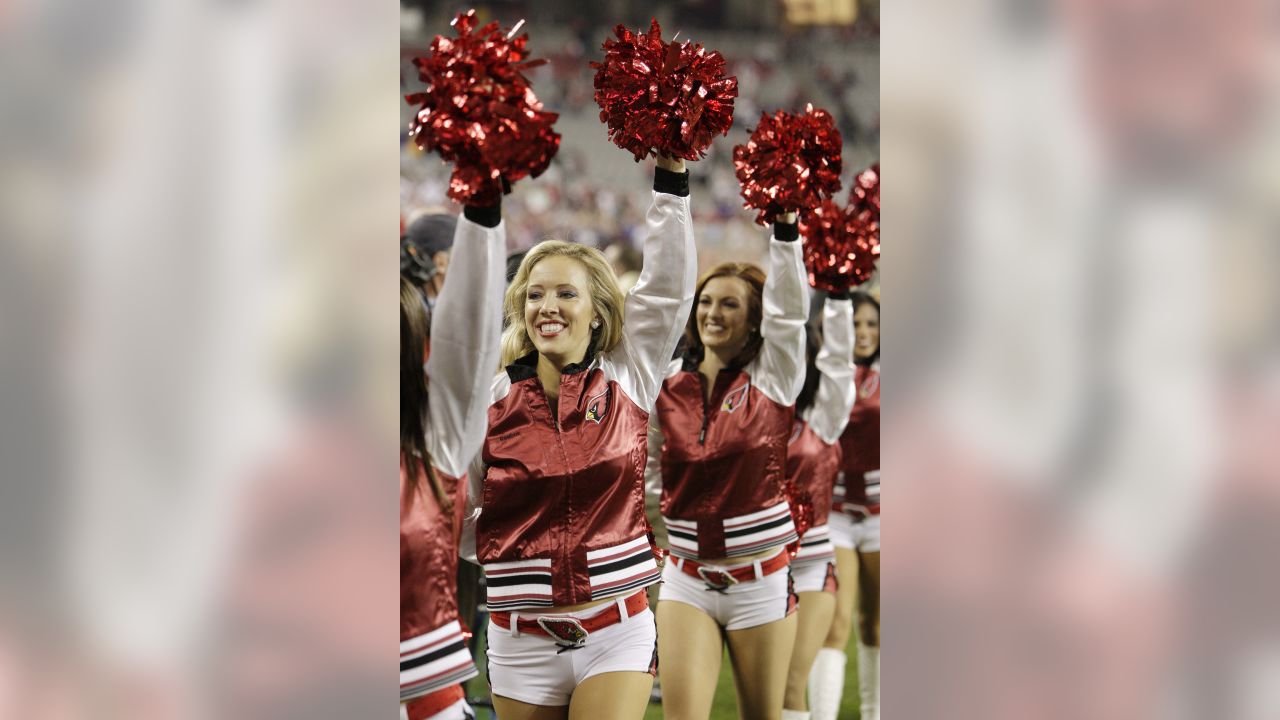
(598, 407)
(735, 398)
(567, 631)
(869, 386)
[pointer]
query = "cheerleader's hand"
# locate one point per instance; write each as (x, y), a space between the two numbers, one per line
(669, 163)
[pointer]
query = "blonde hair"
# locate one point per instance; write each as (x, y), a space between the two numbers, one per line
(606, 298)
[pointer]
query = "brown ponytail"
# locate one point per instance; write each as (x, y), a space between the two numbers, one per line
(414, 394)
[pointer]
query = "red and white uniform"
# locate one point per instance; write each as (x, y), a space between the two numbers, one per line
(465, 335)
(561, 499)
(814, 453)
(858, 486)
(720, 464)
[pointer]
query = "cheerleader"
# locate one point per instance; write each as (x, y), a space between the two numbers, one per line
(720, 441)
(560, 529)
(437, 439)
(813, 460)
(855, 531)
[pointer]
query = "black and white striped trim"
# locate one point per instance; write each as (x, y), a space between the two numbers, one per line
(872, 480)
(682, 535)
(816, 545)
(434, 660)
(743, 535)
(758, 531)
(617, 569)
(518, 584)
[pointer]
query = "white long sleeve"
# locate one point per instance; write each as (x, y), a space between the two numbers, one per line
(658, 306)
(465, 343)
(836, 393)
(778, 371)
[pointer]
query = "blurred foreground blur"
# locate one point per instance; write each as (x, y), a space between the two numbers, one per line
(198, 395)
(1083, 401)
(1083, 405)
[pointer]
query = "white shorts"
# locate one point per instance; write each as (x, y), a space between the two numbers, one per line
(737, 607)
(861, 535)
(816, 576)
(534, 669)
(457, 711)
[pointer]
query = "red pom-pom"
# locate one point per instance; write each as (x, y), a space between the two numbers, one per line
(841, 246)
(667, 97)
(825, 230)
(801, 507)
(790, 163)
(479, 112)
(863, 215)
(865, 193)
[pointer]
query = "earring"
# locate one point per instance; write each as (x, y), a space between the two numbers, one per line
(595, 324)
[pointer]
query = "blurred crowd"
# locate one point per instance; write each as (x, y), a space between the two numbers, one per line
(595, 194)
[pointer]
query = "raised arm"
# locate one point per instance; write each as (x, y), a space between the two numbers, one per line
(465, 336)
(836, 394)
(658, 306)
(779, 369)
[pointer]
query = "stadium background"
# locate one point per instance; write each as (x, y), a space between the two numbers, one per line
(594, 193)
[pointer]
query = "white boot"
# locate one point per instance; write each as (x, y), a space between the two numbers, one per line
(869, 681)
(826, 684)
(795, 714)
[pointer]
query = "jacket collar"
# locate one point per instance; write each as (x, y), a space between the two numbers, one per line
(690, 358)
(526, 367)
(869, 361)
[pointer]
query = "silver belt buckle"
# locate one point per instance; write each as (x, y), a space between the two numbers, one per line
(567, 631)
(716, 579)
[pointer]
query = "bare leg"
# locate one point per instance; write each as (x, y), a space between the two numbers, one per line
(869, 634)
(842, 622)
(689, 652)
(814, 612)
(760, 658)
(826, 677)
(614, 695)
(869, 598)
(509, 709)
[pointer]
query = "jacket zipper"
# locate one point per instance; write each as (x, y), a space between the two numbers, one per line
(706, 406)
(555, 426)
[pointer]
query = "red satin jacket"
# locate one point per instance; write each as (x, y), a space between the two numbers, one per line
(813, 452)
(465, 334)
(560, 517)
(720, 465)
(858, 485)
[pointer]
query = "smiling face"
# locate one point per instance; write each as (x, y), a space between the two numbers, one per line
(722, 315)
(558, 310)
(866, 331)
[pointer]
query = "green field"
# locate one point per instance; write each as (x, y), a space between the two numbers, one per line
(725, 706)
